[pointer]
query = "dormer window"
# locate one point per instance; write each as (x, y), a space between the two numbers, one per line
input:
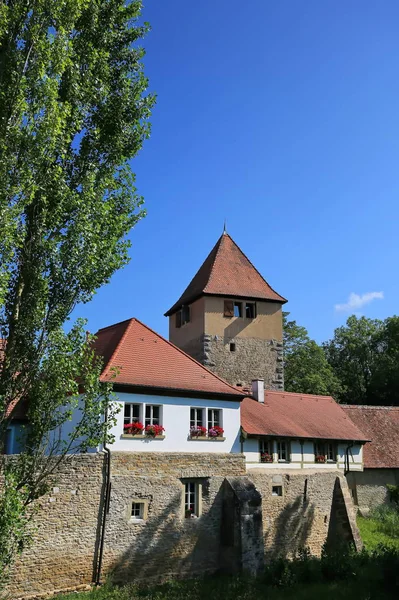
(183, 316)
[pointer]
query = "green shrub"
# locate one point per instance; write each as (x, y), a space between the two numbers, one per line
(387, 518)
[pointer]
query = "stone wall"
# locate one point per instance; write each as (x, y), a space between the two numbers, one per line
(164, 544)
(66, 528)
(300, 517)
(369, 488)
(253, 358)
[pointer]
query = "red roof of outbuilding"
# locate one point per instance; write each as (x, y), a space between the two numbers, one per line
(227, 272)
(298, 416)
(147, 360)
(381, 425)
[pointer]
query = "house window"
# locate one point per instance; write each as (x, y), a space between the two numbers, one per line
(196, 417)
(232, 347)
(250, 310)
(277, 490)
(283, 451)
(214, 417)
(325, 451)
(191, 499)
(152, 414)
(237, 309)
(266, 451)
(331, 453)
(137, 510)
(132, 413)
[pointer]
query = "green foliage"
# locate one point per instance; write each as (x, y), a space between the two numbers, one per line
(387, 519)
(372, 535)
(306, 369)
(73, 112)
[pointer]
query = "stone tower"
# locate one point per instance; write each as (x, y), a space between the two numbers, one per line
(230, 319)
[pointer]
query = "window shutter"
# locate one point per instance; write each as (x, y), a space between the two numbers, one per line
(178, 318)
(228, 308)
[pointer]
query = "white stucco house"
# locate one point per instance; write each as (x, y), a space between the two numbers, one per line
(168, 401)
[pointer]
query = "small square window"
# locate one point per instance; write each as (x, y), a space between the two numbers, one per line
(232, 347)
(277, 490)
(238, 309)
(250, 310)
(137, 510)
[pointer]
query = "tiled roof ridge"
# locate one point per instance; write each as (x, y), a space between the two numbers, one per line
(113, 325)
(283, 392)
(250, 262)
(134, 319)
(372, 406)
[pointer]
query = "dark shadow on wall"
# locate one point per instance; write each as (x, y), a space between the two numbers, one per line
(169, 545)
(291, 529)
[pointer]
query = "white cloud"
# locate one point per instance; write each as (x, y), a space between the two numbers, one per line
(355, 301)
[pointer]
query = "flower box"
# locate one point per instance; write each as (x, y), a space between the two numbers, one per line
(196, 432)
(320, 458)
(214, 432)
(265, 457)
(154, 430)
(135, 428)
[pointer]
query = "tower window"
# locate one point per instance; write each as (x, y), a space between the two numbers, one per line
(185, 315)
(250, 310)
(232, 347)
(237, 309)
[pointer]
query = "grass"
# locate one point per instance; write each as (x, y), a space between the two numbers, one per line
(340, 574)
(370, 530)
(234, 589)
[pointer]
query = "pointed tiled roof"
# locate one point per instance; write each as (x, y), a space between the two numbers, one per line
(227, 272)
(288, 414)
(145, 359)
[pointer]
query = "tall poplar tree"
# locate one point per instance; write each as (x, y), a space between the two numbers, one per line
(73, 111)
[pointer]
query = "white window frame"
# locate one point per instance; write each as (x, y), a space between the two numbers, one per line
(211, 418)
(287, 451)
(192, 497)
(150, 420)
(131, 418)
(269, 444)
(198, 421)
(137, 511)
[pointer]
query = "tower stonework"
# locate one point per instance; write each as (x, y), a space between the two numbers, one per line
(230, 319)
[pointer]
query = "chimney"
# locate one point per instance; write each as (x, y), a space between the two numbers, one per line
(258, 389)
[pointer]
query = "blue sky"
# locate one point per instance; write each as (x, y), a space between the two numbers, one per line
(283, 118)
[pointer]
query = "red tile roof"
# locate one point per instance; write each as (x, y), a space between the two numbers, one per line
(298, 416)
(381, 425)
(227, 272)
(147, 360)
